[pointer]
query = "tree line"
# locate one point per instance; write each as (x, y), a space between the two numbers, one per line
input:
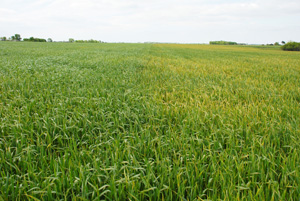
(221, 42)
(17, 37)
(72, 40)
(290, 46)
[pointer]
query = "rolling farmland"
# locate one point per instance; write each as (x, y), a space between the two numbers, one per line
(148, 122)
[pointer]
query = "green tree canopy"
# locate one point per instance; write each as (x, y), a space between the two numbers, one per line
(222, 43)
(291, 46)
(32, 39)
(18, 37)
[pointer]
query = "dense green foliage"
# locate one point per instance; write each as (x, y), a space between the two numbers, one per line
(87, 41)
(3, 38)
(148, 122)
(291, 46)
(16, 37)
(222, 43)
(32, 39)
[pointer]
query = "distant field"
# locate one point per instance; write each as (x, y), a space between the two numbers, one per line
(148, 122)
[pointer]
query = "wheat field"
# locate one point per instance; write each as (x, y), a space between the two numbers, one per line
(148, 122)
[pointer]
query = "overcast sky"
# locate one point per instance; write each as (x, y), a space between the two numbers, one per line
(182, 21)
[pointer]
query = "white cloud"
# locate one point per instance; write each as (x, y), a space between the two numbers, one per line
(250, 21)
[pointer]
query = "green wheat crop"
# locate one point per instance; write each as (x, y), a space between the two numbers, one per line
(148, 122)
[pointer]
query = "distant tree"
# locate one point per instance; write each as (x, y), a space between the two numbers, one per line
(18, 37)
(291, 46)
(87, 41)
(276, 43)
(3, 38)
(32, 39)
(222, 43)
(71, 40)
(282, 42)
(50, 40)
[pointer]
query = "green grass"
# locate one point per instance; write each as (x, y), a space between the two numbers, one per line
(148, 122)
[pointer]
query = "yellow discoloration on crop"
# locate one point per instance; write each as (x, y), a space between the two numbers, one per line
(148, 122)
